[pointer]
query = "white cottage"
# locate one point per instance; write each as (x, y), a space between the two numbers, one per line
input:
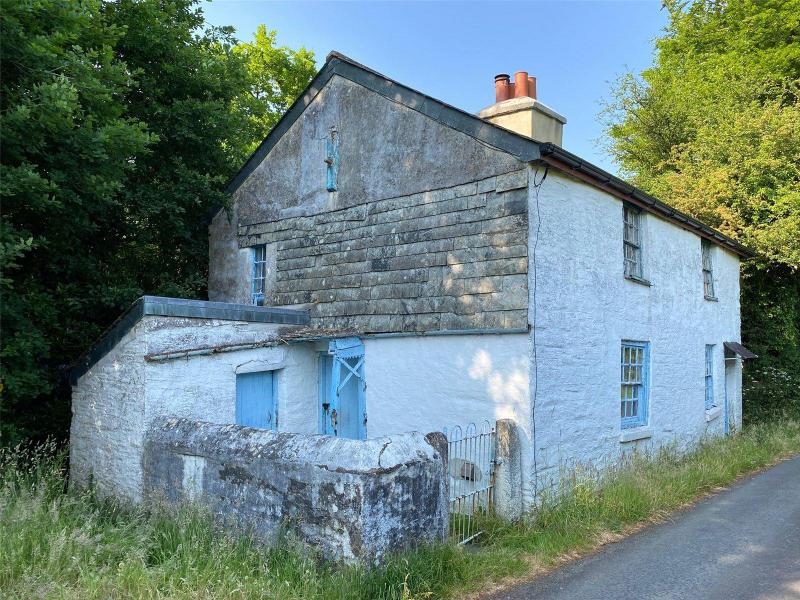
(391, 263)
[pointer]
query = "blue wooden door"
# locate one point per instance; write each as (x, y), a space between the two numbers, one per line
(349, 402)
(255, 400)
(342, 386)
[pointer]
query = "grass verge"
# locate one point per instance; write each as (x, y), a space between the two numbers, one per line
(66, 545)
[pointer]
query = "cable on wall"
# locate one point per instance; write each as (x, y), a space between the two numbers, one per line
(537, 186)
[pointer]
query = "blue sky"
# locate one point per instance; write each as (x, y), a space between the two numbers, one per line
(452, 50)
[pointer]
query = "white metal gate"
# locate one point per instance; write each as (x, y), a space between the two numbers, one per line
(471, 461)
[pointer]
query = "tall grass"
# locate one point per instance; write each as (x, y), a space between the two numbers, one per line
(71, 545)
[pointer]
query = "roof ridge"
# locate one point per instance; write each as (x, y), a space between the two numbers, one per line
(523, 148)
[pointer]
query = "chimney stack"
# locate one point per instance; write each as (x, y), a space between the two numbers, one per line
(517, 108)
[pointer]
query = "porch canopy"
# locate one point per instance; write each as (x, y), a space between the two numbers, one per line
(740, 350)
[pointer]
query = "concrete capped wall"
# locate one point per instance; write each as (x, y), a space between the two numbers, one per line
(584, 308)
(350, 500)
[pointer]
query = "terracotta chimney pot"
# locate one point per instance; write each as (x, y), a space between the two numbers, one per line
(501, 87)
(517, 108)
(520, 84)
(532, 87)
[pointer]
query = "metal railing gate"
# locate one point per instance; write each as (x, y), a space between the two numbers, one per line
(471, 460)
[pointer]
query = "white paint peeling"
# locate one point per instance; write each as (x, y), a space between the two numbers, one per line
(192, 482)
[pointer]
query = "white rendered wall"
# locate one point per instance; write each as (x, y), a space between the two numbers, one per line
(584, 307)
(204, 387)
(114, 402)
(107, 430)
(426, 383)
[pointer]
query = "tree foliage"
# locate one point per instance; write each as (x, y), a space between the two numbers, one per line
(713, 127)
(121, 123)
(277, 76)
(68, 146)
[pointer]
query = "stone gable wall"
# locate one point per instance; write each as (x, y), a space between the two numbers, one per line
(446, 259)
(426, 231)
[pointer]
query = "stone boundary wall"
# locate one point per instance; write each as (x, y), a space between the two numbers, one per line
(447, 259)
(353, 501)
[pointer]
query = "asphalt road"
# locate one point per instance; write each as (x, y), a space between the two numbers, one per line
(741, 543)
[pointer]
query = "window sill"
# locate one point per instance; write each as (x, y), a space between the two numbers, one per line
(636, 433)
(713, 413)
(638, 280)
(711, 298)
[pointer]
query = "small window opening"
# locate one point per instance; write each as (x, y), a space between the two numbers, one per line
(259, 274)
(632, 241)
(633, 388)
(708, 270)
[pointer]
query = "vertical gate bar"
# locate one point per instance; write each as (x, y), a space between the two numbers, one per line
(471, 473)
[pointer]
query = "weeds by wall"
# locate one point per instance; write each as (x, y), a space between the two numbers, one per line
(74, 546)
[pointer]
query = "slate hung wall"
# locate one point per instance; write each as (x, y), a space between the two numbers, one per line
(432, 238)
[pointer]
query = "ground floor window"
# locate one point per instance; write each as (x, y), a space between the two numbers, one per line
(633, 386)
(256, 396)
(710, 377)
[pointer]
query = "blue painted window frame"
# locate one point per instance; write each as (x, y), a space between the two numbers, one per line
(632, 247)
(259, 274)
(710, 376)
(634, 383)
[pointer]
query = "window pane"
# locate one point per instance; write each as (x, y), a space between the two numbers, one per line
(259, 274)
(633, 395)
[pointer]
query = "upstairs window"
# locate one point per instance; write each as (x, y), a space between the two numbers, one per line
(710, 377)
(634, 384)
(708, 270)
(259, 274)
(632, 241)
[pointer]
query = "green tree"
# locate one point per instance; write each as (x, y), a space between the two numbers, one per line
(68, 145)
(186, 83)
(122, 121)
(277, 76)
(714, 128)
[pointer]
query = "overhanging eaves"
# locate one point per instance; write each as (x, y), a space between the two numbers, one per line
(740, 350)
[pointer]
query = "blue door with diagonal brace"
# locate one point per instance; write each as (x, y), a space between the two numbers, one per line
(342, 390)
